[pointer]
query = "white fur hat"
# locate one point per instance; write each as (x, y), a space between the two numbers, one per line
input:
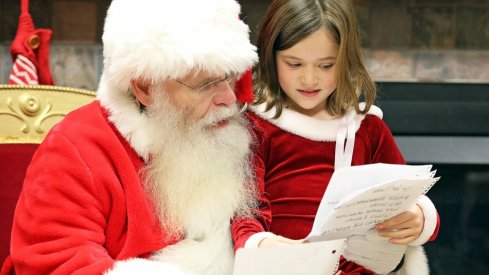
(158, 39)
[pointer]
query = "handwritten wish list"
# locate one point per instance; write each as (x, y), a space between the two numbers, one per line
(357, 210)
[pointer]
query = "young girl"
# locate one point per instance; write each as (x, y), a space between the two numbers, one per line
(308, 121)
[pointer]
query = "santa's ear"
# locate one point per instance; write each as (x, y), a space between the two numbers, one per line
(140, 89)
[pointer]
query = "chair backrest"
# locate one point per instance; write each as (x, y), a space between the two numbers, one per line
(27, 113)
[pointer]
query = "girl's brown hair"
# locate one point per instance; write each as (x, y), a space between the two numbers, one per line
(289, 21)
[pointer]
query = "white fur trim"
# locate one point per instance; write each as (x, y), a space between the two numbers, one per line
(374, 110)
(415, 262)
(308, 127)
(430, 220)
(125, 115)
(212, 254)
(158, 39)
(255, 239)
(144, 266)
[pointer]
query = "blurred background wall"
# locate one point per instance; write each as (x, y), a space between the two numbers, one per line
(430, 60)
(405, 40)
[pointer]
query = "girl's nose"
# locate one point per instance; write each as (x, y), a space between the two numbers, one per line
(309, 77)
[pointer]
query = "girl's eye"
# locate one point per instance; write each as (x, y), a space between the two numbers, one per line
(294, 65)
(326, 66)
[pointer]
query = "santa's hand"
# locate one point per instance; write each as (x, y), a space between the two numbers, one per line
(374, 252)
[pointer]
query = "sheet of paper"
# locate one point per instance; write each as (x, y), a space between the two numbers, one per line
(359, 197)
(318, 258)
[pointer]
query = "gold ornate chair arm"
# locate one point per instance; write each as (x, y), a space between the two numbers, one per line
(28, 112)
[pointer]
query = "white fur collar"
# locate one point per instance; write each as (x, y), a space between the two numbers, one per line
(126, 116)
(308, 127)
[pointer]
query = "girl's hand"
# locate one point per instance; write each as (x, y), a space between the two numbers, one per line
(403, 228)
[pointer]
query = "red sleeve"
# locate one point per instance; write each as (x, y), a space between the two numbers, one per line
(437, 229)
(243, 228)
(44, 240)
(384, 147)
(386, 150)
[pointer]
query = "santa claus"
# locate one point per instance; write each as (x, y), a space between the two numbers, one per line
(147, 178)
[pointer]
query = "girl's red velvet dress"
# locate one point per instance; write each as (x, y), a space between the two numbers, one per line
(293, 166)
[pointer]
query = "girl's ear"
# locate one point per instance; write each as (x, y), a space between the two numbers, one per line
(141, 91)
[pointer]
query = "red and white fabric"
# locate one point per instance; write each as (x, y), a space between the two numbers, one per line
(30, 52)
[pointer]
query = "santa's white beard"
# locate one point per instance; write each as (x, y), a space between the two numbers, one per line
(199, 177)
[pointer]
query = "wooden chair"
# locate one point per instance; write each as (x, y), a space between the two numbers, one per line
(27, 113)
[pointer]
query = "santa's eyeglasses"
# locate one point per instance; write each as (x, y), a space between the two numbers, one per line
(212, 84)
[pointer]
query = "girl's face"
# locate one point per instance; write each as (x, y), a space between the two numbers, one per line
(307, 73)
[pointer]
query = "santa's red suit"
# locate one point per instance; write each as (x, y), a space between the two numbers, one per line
(295, 159)
(84, 208)
(83, 228)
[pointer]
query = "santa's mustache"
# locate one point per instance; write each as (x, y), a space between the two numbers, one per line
(230, 113)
